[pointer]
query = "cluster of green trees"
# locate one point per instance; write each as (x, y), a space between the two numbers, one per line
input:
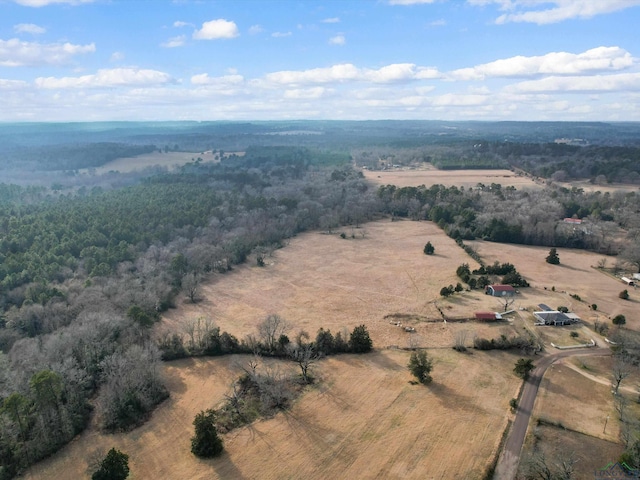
(420, 366)
(485, 275)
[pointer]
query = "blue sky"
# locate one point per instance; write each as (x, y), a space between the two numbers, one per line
(90, 60)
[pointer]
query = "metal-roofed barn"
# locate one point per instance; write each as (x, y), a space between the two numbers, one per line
(500, 290)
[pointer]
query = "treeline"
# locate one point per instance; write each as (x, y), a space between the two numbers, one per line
(83, 278)
(202, 338)
(73, 156)
(562, 162)
(507, 215)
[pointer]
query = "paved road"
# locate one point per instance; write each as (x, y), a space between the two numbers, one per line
(507, 466)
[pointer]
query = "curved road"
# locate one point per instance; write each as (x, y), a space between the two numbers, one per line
(507, 465)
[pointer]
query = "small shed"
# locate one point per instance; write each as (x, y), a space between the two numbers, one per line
(628, 281)
(487, 316)
(500, 290)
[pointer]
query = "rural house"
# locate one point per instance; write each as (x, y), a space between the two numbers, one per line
(548, 316)
(500, 290)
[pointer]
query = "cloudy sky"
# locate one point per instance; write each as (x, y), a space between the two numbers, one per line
(87, 60)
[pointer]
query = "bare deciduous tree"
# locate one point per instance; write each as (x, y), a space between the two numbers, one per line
(461, 341)
(620, 403)
(305, 355)
(507, 302)
(560, 467)
(191, 285)
(270, 330)
(621, 370)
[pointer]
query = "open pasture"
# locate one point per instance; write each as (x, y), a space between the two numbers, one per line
(364, 419)
(460, 178)
(170, 160)
(323, 281)
(579, 418)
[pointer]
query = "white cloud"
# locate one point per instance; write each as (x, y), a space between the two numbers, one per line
(16, 53)
(526, 11)
(180, 24)
(458, 100)
(425, 73)
(336, 73)
(116, 77)
(216, 29)
(554, 63)
(392, 73)
(31, 28)
(205, 79)
(438, 23)
(255, 29)
(331, 20)
(345, 72)
(409, 2)
(12, 84)
(305, 93)
(337, 40)
(281, 34)
(597, 83)
(44, 3)
(174, 42)
(116, 57)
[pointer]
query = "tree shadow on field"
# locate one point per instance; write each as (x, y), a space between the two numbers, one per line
(380, 359)
(556, 386)
(569, 267)
(305, 429)
(224, 467)
(453, 400)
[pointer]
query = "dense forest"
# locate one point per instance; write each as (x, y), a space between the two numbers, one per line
(89, 262)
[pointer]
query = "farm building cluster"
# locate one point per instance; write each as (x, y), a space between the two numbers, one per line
(545, 315)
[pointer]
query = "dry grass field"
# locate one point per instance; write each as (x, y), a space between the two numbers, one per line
(563, 386)
(592, 454)
(170, 160)
(322, 280)
(466, 178)
(428, 175)
(590, 187)
(364, 419)
(575, 395)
